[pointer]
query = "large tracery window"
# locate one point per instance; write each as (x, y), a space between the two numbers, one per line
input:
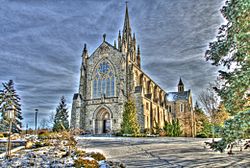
(103, 81)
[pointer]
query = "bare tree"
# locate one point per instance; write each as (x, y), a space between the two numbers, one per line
(44, 124)
(210, 102)
(51, 119)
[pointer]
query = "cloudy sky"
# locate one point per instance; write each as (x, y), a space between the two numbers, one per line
(41, 43)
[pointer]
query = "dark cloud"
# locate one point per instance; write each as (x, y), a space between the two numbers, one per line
(41, 43)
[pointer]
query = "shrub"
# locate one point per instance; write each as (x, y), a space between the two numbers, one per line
(173, 129)
(78, 163)
(147, 131)
(162, 133)
(80, 153)
(39, 144)
(98, 156)
(44, 135)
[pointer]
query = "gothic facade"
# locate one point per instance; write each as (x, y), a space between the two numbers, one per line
(110, 75)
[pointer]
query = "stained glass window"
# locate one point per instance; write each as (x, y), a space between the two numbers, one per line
(103, 81)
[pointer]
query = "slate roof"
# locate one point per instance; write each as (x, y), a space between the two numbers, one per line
(174, 96)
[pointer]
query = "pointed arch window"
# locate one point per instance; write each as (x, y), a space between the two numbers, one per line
(103, 80)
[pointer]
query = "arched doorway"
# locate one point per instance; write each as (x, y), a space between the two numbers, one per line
(102, 121)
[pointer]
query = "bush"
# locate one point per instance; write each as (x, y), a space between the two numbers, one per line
(78, 163)
(80, 153)
(39, 144)
(98, 156)
(173, 129)
(44, 135)
(147, 131)
(162, 133)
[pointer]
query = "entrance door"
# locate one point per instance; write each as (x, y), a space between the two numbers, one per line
(104, 126)
(102, 122)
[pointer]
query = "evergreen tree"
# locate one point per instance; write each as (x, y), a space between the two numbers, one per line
(173, 129)
(130, 124)
(61, 118)
(9, 98)
(178, 130)
(232, 50)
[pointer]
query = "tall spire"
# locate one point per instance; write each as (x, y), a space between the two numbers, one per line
(138, 56)
(126, 34)
(119, 41)
(85, 52)
(126, 21)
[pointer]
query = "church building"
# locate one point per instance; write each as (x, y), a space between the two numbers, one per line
(180, 105)
(110, 75)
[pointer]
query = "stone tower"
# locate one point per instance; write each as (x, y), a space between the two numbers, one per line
(180, 86)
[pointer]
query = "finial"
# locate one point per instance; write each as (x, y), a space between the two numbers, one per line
(85, 47)
(85, 51)
(133, 36)
(115, 43)
(104, 37)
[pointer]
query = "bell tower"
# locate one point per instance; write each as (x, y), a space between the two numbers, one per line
(180, 86)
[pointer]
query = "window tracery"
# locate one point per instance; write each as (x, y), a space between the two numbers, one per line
(103, 80)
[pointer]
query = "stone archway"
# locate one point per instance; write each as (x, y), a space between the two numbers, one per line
(102, 121)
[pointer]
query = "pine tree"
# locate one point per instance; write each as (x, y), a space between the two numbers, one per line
(61, 118)
(9, 98)
(130, 124)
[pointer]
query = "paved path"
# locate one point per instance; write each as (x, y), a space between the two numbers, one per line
(163, 152)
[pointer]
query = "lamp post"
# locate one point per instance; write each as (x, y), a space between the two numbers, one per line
(10, 117)
(36, 112)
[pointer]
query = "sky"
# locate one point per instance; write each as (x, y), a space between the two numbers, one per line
(41, 43)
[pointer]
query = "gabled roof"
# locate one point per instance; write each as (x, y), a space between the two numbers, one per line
(174, 96)
(104, 43)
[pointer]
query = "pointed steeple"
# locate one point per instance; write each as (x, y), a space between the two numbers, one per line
(138, 56)
(115, 43)
(83, 74)
(126, 21)
(119, 41)
(134, 48)
(85, 54)
(126, 34)
(180, 86)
